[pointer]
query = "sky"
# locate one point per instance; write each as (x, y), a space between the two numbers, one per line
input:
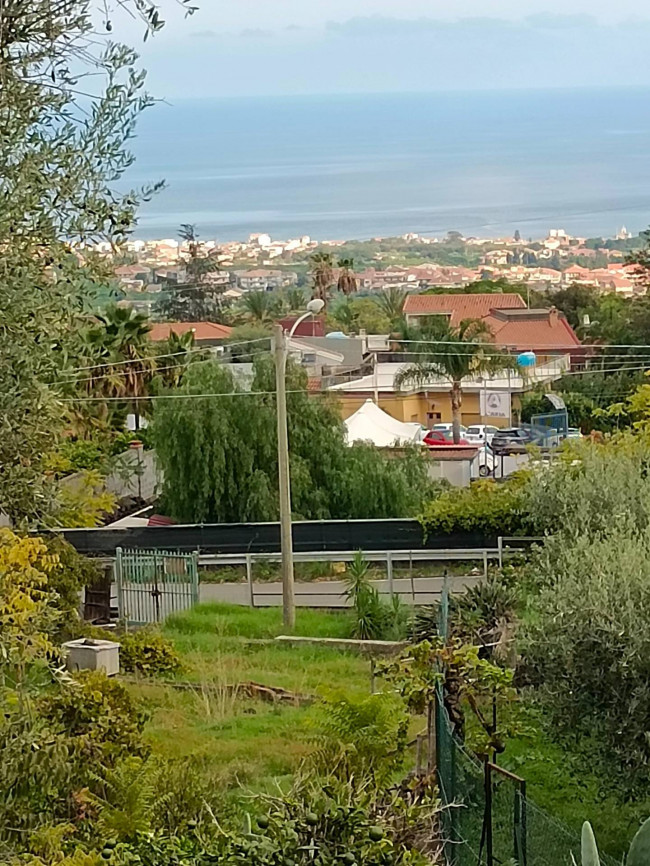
(283, 47)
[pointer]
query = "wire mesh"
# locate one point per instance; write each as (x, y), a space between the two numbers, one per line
(489, 818)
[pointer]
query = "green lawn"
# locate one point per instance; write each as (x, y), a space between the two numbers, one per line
(562, 786)
(222, 645)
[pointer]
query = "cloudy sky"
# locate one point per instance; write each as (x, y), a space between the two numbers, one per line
(277, 47)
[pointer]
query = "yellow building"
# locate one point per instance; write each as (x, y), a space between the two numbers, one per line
(432, 405)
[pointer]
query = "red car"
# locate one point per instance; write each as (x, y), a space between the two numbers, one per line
(438, 437)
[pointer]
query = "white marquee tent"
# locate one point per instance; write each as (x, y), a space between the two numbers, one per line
(371, 424)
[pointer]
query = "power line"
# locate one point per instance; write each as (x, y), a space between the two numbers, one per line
(186, 396)
(155, 371)
(167, 355)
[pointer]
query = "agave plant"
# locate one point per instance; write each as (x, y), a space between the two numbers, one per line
(638, 855)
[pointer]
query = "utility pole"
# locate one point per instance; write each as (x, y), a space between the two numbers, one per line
(314, 307)
(286, 540)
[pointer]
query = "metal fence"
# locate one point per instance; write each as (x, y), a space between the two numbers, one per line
(491, 819)
(151, 584)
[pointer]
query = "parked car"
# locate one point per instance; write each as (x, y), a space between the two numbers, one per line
(513, 440)
(480, 434)
(442, 437)
(486, 462)
(448, 428)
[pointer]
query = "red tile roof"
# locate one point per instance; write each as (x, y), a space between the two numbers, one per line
(523, 330)
(461, 306)
(202, 330)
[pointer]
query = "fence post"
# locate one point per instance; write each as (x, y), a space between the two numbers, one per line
(500, 544)
(249, 578)
(488, 814)
(389, 573)
(418, 755)
(372, 676)
(195, 577)
(120, 588)
(485, 564)
(520, 824)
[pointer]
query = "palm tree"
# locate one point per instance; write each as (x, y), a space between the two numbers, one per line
(120, 357)
(295, 299)
(177, 353)
(453, 353)
(347, 282)
(260, 306)
(321, 268)
(344, 314)
(391, 302)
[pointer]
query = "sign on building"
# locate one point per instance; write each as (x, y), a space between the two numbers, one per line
(495, 404)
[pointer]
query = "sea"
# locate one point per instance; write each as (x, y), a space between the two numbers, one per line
(356, 167)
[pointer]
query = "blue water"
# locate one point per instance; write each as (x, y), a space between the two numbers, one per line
(364, 166)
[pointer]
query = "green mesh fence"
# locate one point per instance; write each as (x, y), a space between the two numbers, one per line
(491, 821)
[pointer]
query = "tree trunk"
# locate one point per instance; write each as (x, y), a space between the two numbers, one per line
(456, 403)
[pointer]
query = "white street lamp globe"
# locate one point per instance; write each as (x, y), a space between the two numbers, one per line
(315, 306)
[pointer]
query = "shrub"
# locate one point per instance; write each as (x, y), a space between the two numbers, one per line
(99, 713)
(486, 507)
(373, 618)
(148, 652)
(591, 487)
(482, 615)
(361, 739)
(588, 647)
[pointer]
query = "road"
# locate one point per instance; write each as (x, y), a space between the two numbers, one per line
(144, 606)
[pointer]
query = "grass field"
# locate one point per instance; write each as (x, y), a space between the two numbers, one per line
(561, 785)
(221, 645)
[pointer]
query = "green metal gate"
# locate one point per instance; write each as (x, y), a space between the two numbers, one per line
(151, 584)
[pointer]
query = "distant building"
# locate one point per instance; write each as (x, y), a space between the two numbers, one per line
(458, 307)
(314, 326)
(623, 234)
(264, 279)
(260, 240)
(205, 333)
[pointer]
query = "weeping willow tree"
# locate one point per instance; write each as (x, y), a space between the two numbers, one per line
(219, 454)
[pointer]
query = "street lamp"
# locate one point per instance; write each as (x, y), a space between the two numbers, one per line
(286, 542)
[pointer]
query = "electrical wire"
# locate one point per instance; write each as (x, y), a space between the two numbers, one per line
(185, 396)
(168, 355)
(155, 371)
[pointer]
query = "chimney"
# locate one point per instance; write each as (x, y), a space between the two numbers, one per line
(553, 316)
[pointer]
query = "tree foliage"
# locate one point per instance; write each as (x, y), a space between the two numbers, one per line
(199, 297)
(587, 648)
(219, 454)
(69, 100)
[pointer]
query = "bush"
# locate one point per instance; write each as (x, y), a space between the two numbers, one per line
(99, 713)
(148, 652)
(588, 649)
(483, 615)
(361, 739)
(486, 507)
(590, 487)
(373, 618)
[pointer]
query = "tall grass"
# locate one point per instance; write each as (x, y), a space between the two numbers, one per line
(231, 620)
